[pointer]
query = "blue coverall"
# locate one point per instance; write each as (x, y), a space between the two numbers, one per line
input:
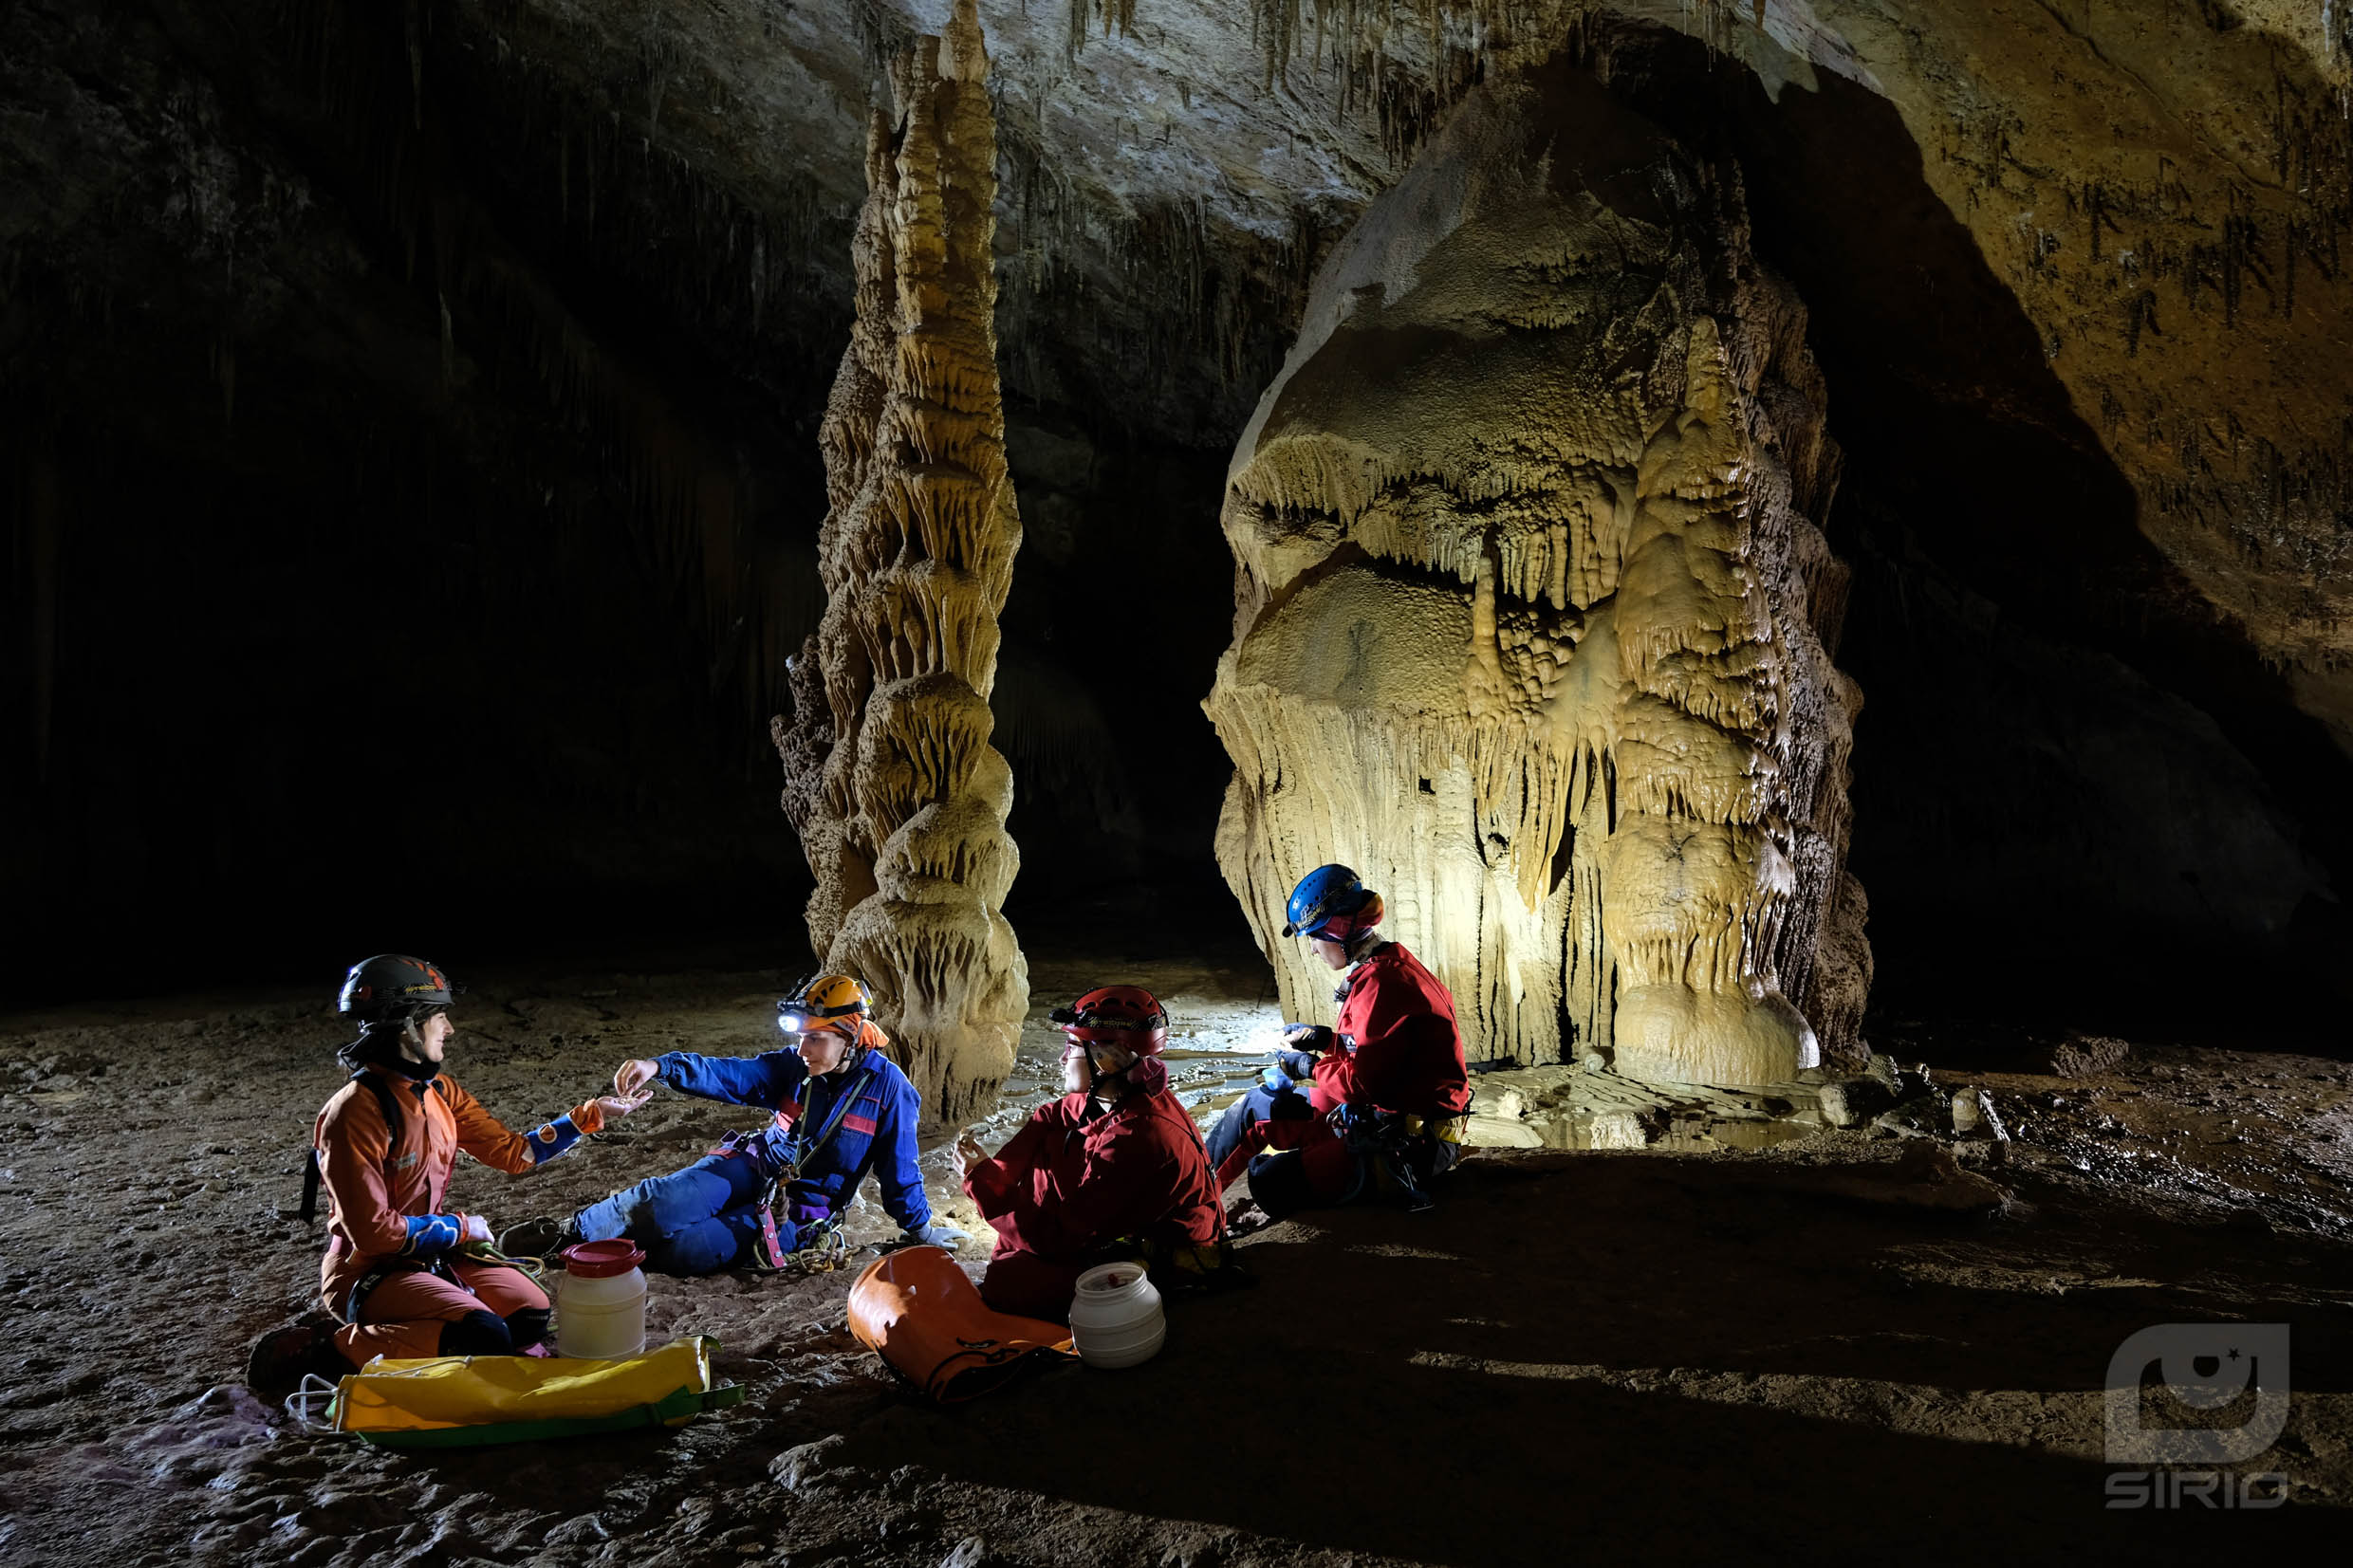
(706, 1217)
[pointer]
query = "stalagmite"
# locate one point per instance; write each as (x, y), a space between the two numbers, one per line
(890, 777)
(1531, 615)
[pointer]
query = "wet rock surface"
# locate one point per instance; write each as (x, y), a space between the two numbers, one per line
(1675, 1344)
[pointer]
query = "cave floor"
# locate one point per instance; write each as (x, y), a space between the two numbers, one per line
(1684, 1349)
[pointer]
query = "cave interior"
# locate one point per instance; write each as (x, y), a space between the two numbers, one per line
(415, 496)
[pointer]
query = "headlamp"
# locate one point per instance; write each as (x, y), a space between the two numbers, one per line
(792, 1024)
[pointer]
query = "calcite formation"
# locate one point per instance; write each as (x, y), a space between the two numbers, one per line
(1532, 607)
(898, 796)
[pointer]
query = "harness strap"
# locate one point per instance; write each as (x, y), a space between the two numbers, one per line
(798, 1153)
(394, 1124)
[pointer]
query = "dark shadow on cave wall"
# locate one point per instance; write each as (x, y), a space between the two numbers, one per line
(387, 575)
(414, 570)
(2078, 794)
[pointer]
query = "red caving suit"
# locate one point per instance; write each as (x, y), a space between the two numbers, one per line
(1076, 1181)
(1396, 1049)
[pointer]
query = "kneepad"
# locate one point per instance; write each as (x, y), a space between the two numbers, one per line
(527, 1326)
(478, 1333)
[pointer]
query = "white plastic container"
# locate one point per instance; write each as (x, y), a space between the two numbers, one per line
(1116, 1319)
(600, 1300)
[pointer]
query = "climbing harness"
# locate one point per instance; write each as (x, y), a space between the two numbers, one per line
(830, 1248)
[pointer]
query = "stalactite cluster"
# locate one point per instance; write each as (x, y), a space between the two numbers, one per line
(1533, 606)
(891, 780)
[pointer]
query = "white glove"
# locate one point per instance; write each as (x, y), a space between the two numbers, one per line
(475, 1228)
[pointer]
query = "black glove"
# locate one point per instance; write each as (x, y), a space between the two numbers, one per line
(1312, 1038)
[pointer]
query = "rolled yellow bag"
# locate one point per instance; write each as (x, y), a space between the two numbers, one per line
(455, 1400)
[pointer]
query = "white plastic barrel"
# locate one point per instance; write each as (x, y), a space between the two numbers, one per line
(600, 1300)
(1116, 1319)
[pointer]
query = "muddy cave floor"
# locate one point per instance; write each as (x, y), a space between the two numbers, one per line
(1738, 1338)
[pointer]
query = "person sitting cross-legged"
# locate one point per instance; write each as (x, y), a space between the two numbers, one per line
(842, 1109)
(1113, 1169)
(404, 1273)
(1374, 1107)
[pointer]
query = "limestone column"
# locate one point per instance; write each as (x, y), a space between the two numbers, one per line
(890, 777)
(1531, 602)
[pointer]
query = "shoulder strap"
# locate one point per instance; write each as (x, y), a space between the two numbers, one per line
(851, 1089)
(393, 1126)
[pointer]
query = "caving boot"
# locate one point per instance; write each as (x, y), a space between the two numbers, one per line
(283, 1357)
(542, 1237)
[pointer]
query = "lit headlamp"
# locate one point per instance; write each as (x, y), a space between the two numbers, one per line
(792, 1022)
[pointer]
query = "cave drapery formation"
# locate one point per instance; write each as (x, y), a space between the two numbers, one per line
(898, 794)
(1533, 606)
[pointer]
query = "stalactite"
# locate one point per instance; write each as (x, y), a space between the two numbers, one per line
(900, 799)
(1533, 638)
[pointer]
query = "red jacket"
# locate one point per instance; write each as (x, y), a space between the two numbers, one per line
(1076, 1177)
(1397, 1047)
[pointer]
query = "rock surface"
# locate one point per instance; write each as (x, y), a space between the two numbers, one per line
(1531, 607)
(898, 797)
(1634, 1316)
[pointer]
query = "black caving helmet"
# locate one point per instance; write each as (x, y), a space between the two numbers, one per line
(393, 988)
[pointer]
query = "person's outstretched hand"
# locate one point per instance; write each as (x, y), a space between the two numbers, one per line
(620, 1105)
(633, 1075)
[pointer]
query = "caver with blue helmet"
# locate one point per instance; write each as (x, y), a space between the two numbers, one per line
(1375, 1104)
(842, 1109)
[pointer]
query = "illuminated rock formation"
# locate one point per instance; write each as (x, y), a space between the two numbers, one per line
(1531, 610)
(899, 798)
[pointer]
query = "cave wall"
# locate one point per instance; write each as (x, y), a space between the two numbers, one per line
(1531, 606)
(557, 289)
(374, 582)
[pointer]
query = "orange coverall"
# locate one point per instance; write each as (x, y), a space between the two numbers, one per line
(411, 1277)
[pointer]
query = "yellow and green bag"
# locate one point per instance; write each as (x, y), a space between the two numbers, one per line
(457, 1401)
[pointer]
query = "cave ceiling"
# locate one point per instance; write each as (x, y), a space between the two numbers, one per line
(2160, 185)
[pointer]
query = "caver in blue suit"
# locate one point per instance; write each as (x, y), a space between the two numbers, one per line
(832, 1129)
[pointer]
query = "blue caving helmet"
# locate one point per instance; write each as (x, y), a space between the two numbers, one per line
(1323, 896)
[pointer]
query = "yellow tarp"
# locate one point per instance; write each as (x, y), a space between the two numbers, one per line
(509, 1399)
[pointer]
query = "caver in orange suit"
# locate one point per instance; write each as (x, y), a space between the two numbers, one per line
(393, 1273)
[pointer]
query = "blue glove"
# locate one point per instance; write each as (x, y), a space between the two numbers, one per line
(946, 1237)
(1299, 1066)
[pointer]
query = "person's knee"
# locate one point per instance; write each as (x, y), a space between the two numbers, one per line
(527, 1326)
(705, 1248)
(478, 1333)
(1279, 1184)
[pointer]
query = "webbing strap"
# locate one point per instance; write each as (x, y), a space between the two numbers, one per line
(393, 1123)
(799, 1156)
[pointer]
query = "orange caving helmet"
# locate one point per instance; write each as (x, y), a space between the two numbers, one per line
(1127, 1016)
(837, 1002)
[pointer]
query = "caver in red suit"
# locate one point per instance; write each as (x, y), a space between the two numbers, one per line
(1392, 1069)
(1113, 1169)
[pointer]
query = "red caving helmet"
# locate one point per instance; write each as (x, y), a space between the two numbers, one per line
(1127, 1016)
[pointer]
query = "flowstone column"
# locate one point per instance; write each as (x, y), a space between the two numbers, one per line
(898, 797)
(1530, 615)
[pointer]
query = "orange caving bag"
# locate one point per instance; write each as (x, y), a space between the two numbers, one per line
(924, 1316)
